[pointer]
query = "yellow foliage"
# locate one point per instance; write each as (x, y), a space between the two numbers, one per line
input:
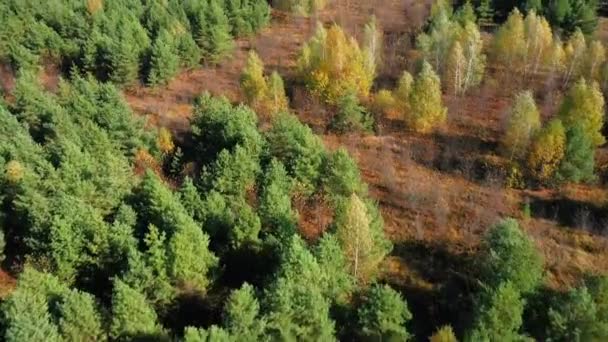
(385, 104)
(164, 141)
(524, 122)
(93, 6)
(14, 171)
(253, 82)
(547, 151)
(444, 334)
(332, 64)
(426, 110)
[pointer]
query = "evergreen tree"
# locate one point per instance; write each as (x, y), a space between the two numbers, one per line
(341, 176)
(485, 13)
(509, 256)
(579, 158)
(80, 320)
(333, 263)
(383, 314)
(522, 125)
(215, 39)
(164, 63)
(132, 316)
(425, 103)
(242, 315)
(351, 115)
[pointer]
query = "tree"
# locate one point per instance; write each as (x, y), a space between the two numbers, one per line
(425, 103)
(509, 256)
(332, 261)
(575, 51)
(164, 63)
(383, 314)
(547, 151)
(522, 125)
(539, 40)
(499, 315)
(332, 64)
(80, 320)
(242, 315)
(351, 115)
(275, 201)
(215, 39)
(253, 82)
(465, 14)
(455, 69)
(353, 231)
(373, 44)
(276, 100)
(213, 334)
(509, 45)
(594, 59)
(341, 175)
(485, 13)
(132, 316)
(584, 105)
(578, 163)
(444, 334)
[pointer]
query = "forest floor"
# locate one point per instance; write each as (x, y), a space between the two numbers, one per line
(438, 193)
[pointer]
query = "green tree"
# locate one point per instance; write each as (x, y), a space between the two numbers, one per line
(242, 315)
(215, 39)
(522, 125)
(132, 316)
(351, 115)
(333, 263)
(499, 315)
(508, 255)
(80, 320)
(164, 63)
(485, 13)
(383, 314)
(578, 163)
(444, 334)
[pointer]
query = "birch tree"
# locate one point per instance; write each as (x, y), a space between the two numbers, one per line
(355, 236)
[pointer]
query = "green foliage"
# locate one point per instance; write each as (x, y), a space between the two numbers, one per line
(341, 176)
(333, 263)
(578, 163)
(444, 334)
(164, 63)
(302, 153)
(132, 316)
(510, 256)
(275, 208)
(383, 314)
(425, 103)
(499, 315)
(80, 320)
(242, 315)
(351, 116)
(300, 7)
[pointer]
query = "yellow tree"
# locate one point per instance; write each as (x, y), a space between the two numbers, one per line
(523, 123)
(547, 151)
(253, 82)
(372, 45)
(594, 60)
(276, 100)
(538, 40)
(509, 46)
(332, 64)
(426, 110)
(475, 60)
(455, 70)
(355, 236)
(584, 105)
(575, 51)
(444, 334)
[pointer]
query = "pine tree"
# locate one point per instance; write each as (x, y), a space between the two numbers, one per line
(383, 314)
(132, 316)
(252, 81)
(578, 163)
(242, 315)
(425, 103)
(215, 39)
(523, 123)
(332, 261)
(351, 115)
(547, 151)
(164, 63)
(499, 315)
(509, 256)
(485, 13)
(80, 320)
(584, 105)
(465, 14)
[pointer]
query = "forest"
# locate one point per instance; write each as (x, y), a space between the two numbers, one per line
(303, 170)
